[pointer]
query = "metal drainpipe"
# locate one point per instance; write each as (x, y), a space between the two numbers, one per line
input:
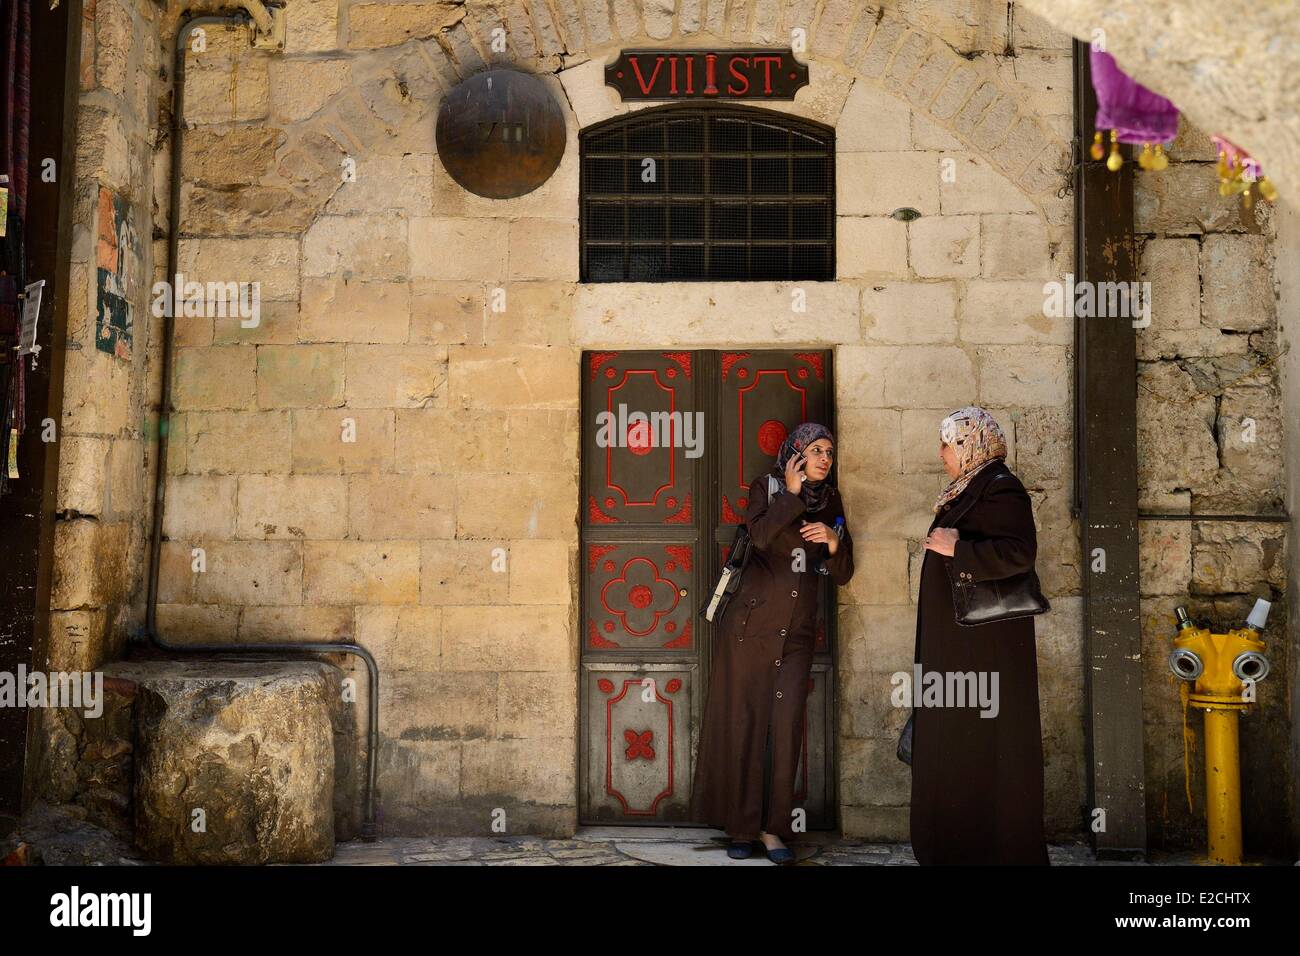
(369, 828)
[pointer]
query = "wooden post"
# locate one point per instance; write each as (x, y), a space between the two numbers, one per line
(1106, 493)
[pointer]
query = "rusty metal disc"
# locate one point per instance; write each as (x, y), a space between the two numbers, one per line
(500, 134)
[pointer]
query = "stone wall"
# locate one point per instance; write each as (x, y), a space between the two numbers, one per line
(1210, 440)
(375, 326)
(375, 318)
(106, 447)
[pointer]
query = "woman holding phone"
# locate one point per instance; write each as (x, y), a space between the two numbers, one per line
(763, 649)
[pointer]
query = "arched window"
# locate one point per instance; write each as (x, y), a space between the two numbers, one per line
(697, 193)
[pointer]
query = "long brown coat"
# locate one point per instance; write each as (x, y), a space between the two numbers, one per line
(762, 657)
(977, 782)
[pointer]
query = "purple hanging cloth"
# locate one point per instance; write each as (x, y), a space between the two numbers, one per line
(1126, 106)
(16, 98)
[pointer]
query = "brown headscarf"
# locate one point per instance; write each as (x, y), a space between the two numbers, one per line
(978, 439)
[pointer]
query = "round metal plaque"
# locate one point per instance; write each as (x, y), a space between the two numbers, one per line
(500, 134)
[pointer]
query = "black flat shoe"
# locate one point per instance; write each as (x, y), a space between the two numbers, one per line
(740, 849)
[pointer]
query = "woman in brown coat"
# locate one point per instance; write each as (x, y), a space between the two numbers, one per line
(763, 649)
(977, 781)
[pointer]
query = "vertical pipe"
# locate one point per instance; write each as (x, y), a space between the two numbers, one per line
(1222, 785)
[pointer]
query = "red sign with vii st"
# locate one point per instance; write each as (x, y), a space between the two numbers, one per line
(707, 74)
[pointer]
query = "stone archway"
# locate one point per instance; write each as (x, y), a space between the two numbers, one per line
(385, 99)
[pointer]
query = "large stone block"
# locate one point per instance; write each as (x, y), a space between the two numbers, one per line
(199, 506)
(426, 508)
(88, 564)
(1237, 282)
(271, 262)
(297, 376)
(873, 121)
(1173, 269)
(506, 639)
(248, 572)
(968, 184)
(237, 442)
(361, 572)
(450, 313)
(291, 506)
(443, 248)
(1165, 556)
(338, 310)
(347, 440)
(1015, 246)
(372, 25)
(700, 313)
(872, 247)
(1175, 430)
(905, 376)
(876, 184)
(541, 572)
(422, 441)
(231, 156)
(396, 376)
(245, 749)
(402, 637)
(465, 572)
(512, 377)
(1011, 312)
(518, 506)
(944, 247)
(909, 313)
(543, 249)
(365, 247)
(300, 88)
(311, 26)
(1024, 376)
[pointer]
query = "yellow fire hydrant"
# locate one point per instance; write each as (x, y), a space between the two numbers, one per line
(1225, 669)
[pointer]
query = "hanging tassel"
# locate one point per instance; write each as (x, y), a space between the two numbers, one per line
(1114, 161)
(1097, 151)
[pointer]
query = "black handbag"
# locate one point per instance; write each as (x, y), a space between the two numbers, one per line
(904, 749)
(988, 602)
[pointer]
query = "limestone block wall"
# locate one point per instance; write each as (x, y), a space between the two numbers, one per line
(388, 459)
(105, 436)
(1211, 439)
(351, 467)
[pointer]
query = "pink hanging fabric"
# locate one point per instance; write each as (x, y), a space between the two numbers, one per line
(1126, 106)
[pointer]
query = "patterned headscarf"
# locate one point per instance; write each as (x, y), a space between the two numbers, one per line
(813, 493)
(978, 440)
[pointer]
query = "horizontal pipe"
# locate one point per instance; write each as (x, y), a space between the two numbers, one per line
(1153, 516)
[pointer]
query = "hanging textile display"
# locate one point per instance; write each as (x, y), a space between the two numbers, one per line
(15, 123)
(1132, 114)
(1238, 173)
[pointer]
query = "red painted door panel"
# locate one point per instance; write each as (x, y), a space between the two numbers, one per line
(656, 486)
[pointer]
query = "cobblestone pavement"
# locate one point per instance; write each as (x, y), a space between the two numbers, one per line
(652, 846)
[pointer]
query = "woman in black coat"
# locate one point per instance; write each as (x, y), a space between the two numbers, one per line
(763, 649)
(977, 781)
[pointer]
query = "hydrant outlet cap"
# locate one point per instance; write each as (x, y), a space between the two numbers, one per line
(1259, 615)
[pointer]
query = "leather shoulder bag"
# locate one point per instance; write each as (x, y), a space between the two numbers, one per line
(1004, 599)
